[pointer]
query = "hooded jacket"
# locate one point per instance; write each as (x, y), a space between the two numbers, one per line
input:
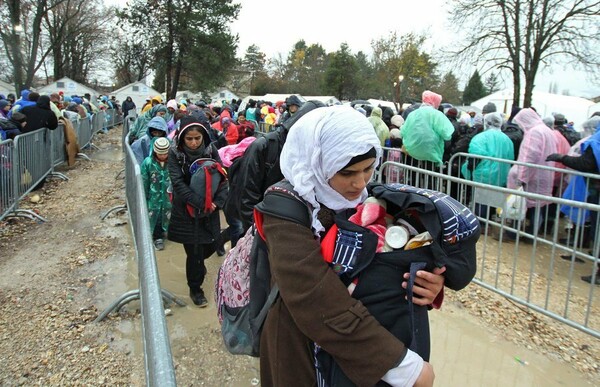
(424, 134)
(538, 142)
(23, 101)
(39, 116)
(381, 129)
(139, 127)
(142, 146)
(182, 227)
(492, 143)
(259, 169)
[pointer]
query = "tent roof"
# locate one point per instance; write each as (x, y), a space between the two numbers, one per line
(575, 109)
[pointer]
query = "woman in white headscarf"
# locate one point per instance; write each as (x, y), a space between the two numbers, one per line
(329, 157)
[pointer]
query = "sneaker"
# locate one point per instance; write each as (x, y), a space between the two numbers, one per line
(159, 244)
(198, 298)
(588, 279)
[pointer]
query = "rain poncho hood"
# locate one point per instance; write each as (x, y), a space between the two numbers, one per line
(424, 133)
(431, 99)
(538, 142)
(381, 129)
(157, 123)
(320, 144)
(492, 143)
(140, 125)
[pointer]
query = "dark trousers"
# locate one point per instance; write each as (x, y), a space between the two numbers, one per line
(158, 232)
(195, 269)
(235, 229)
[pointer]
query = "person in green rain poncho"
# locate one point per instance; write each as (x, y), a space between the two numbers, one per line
(492, 142)
(140, 126)
(155, 177)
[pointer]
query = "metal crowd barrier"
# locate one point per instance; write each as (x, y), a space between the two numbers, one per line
(31, 157)
(540, 267)
(8, 200)
(416, 176)
(157, 350)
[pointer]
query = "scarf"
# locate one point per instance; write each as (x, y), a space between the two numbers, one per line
(319, 145)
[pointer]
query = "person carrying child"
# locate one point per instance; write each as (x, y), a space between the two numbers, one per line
(329, 157)
(155, 177)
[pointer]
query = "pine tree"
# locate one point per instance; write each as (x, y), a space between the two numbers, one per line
(474, 90)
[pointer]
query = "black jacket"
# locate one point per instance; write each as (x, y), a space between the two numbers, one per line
(259, 169)
(39, 116)
(182, 227)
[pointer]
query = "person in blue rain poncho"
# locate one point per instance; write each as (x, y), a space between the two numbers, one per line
(589, 162)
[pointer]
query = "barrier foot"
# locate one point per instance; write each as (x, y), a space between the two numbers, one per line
(119, 174)
(170, 297)
(59, 175)
(120, 208)
(27, 214)
(84, 156)
(132, 295)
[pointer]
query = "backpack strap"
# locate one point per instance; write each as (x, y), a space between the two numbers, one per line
(283, 202)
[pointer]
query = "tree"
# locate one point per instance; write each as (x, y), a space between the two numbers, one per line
(522, 35)
(131, 58)
(395, 56)
(254, 63)
(305, 68)
(341, 74)
(474, 89)
(20, 31)
(72, 29)
(196, 44)
(449, 89)
(491, 83)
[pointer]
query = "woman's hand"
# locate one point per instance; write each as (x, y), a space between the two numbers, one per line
(213, 207)
(427, 285)
(426, 376)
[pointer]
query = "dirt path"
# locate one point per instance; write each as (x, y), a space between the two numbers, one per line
(56, 277)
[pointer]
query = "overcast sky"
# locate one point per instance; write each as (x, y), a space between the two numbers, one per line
(276, 26)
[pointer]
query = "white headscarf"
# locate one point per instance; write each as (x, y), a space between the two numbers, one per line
(319, 145)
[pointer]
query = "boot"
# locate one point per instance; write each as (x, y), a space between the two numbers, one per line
(198, 298)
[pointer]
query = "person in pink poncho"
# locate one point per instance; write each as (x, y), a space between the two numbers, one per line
(538, 142)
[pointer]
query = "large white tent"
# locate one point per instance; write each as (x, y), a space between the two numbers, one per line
(69, 87)
(575, 109)
(138, 91)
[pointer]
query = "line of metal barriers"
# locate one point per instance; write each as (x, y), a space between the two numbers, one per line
(30, 158)
(535, 259)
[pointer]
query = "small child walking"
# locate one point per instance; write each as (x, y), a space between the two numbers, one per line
(155, 176)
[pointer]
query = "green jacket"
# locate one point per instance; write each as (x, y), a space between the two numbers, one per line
(381, 129)
(156, 181)
(491, 143)
(424, 133)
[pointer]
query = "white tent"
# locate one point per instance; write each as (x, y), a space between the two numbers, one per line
(6, 88)
(328, 100)
(575, 109)
(217, 97)
(138, 91)
(69, 87)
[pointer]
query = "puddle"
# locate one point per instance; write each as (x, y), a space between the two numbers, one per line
(106, 154)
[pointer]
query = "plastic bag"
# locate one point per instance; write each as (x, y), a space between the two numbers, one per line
(515, 207)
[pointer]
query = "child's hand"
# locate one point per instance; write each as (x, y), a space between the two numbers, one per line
(213, 207)
(427, 285)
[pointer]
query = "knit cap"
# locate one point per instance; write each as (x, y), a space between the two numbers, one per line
(489, 107)
(161, 146)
